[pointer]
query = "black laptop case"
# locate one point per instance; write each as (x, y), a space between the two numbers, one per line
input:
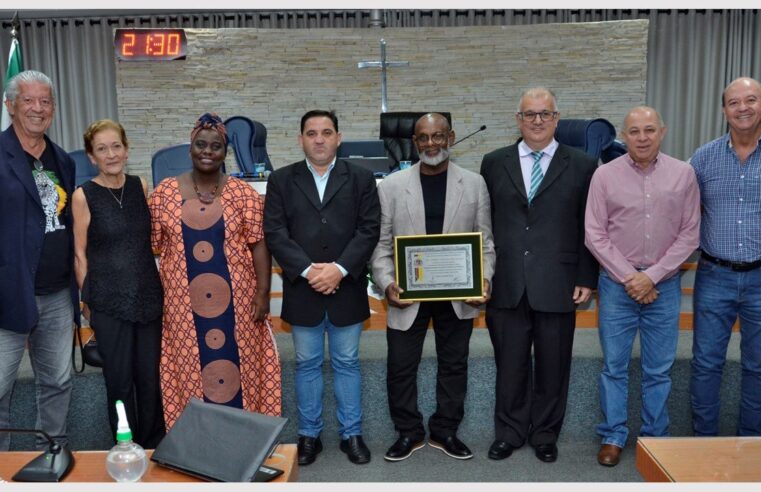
(219, 443)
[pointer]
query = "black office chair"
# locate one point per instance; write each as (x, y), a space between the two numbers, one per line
(396, 131)
(85, 170)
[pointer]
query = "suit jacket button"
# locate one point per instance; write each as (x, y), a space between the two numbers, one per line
(527, 227)
(526, 253)
(324, 220)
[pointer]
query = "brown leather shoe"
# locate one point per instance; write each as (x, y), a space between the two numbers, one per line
(609, 455)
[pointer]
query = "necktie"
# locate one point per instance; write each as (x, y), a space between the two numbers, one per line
(536, 175)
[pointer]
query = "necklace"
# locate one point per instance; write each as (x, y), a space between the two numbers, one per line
(205, 197)
(121, 195)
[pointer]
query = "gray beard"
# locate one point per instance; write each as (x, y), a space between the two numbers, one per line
(435, 160)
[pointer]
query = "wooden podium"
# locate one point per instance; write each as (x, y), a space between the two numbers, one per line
(699, 459)
(90, 466)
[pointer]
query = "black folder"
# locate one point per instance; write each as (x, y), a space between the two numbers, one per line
(220, 443)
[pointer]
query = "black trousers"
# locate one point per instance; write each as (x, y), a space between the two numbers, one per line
(131, 354)
(404, 352)
(531, 395)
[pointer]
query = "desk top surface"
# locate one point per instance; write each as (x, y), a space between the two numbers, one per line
(90, 466)
(699, 459)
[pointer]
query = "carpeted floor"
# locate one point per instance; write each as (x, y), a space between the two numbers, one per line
(578, 442)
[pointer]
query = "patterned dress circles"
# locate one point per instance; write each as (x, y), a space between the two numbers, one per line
(209, 349)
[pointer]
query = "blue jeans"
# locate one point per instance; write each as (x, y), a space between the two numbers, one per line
(619, 317)
(343, 344)
(50, 354)
(721, 295)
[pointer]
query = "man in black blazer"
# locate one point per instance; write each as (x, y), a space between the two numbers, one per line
(321, 223)
(538, 190)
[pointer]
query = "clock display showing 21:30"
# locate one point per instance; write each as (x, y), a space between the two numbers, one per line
(150, 44)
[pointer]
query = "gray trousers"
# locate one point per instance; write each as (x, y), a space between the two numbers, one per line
(50, 353)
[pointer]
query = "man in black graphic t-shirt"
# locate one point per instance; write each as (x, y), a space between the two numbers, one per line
(38, 296)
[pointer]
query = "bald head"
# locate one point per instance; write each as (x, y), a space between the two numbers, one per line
(740, 84)
(741, 105)
(643, 133)
(435, 119)
(643, 111)
(432, 139)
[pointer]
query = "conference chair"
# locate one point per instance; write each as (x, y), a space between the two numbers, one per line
(616, 149)
(85, 170)
(248, 140)
(591, 136)
(396, 131)
(259, 146)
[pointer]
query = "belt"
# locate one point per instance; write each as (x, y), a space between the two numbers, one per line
(737, 267)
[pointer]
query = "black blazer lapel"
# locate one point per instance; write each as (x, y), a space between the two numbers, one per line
(338, 176)
(558, 164)
(304, 181)
(513, 167)
(19, 165)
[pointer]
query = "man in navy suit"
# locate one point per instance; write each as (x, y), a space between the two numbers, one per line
(321, 223)
(538, 190)
(38, 295)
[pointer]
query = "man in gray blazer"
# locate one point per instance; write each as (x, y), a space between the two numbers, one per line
(434, 196)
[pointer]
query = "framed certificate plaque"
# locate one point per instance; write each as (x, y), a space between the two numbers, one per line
(439, 267)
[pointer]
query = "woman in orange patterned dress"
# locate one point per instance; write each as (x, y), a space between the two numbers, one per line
(217, 342)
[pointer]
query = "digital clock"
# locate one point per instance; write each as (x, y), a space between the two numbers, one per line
(150, 44)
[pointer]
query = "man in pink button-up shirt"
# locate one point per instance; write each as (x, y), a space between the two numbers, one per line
(642, 222)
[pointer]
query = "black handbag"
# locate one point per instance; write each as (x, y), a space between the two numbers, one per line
(88, 350)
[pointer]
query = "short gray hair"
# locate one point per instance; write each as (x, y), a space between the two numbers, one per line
(26, 77)
(538, 92)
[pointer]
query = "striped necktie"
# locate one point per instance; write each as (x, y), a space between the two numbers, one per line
(536, 175)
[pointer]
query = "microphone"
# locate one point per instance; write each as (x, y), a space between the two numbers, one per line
(483, 127)
(51, 466)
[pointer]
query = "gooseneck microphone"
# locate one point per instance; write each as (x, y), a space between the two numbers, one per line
(483, 127)
(51, 466)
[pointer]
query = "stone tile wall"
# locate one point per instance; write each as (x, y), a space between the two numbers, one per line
(476, 73)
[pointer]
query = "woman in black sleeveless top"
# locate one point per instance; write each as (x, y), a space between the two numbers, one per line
(119, 281)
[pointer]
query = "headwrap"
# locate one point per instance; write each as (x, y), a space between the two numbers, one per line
(210, 121)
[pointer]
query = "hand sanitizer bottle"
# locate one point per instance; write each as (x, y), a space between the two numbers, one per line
(126, 462)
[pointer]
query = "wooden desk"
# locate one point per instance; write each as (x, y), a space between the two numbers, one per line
(90, 466)
(699, 459)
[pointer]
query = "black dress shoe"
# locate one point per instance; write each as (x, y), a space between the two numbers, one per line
(500, 450)
(451, 446)
(403, 448)
(308, 448)
(356, 449)
(546, 452)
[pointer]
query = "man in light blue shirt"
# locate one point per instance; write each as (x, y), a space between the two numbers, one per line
(321, 223)
(728, 279)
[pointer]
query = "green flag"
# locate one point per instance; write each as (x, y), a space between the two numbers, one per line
(15, 66)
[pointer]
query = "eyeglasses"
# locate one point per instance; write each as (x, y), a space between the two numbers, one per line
(531, 115)
(436, 138)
